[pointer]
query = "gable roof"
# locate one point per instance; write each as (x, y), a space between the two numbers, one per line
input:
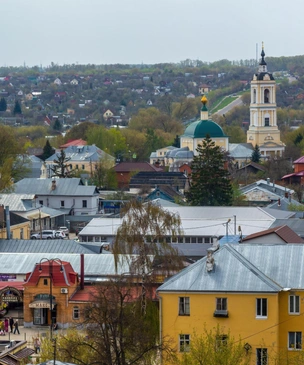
(74, 142)
(17, 202)
(284, 232)
(232, 272)
(135, 166)
(64, 187)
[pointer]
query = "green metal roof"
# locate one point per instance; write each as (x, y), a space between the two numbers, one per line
(201, 128)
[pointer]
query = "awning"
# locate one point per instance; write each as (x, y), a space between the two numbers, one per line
(37, 215)
(42, 304)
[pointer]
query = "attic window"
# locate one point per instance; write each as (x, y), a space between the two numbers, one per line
(45, 281)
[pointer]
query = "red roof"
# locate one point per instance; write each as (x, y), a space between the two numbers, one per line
(12, 284)
(135, 166)
(299, 160)
(301, 173)
(60, 278)
(284, 232)
(74, 142)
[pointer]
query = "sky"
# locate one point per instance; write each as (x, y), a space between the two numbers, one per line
(39, 32)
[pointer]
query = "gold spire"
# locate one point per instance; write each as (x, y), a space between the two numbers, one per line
(204, 100)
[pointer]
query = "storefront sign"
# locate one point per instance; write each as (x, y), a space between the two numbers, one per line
(10, 298)
(41, 305)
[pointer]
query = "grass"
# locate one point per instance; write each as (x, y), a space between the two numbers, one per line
(226, 100)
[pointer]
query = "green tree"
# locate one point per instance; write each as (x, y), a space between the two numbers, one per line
(17, 108)
(3, 105)
(143, 230)
(210, 183)
(104, 176)
(61, 166)
(57, 125)
(215, 348)
(48, 150)
(256, 154)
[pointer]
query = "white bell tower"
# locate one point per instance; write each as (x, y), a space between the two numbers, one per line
(263, 130)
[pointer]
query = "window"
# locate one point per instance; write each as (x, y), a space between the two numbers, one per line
(45, 281)
(261, 356)
(294, 304)
(266, 96)
(62, 203)
(184, 306)
(40, 202)
(76, 314)
(184, 343)
(261, 307)
(21, 234)
(221, 308)
(193, 239)
(254, 96)
(84, 204)
(221, 341)
(83, 167)
(76, 167)
(221, 303)
(294, 340)
(266, 122)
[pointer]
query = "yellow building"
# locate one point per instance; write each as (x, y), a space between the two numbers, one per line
(197, 131)
(254, 292)
(263, 130)
(16, 226)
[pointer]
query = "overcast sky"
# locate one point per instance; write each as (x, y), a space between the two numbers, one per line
(38, 32)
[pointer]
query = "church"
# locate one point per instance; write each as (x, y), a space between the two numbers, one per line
(263, 130)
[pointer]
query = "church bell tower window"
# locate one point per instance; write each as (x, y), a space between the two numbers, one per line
(266, 96)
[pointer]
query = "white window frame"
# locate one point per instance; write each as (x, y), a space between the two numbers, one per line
(76, 312)
(292, 306)
(221, 304)
(184, 343)
(259, 313)
(184, 306)
(292, 337)
(261, 356)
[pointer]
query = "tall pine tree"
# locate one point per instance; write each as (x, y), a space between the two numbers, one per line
(3, 105)
(17, 108)
(48, 150)
(210, 183)
(256, 154)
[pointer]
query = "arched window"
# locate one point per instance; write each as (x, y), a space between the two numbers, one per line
(254, 96)
(266, 96)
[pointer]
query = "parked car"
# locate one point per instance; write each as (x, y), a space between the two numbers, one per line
(64, 229)
(45, 234)
(60, 234)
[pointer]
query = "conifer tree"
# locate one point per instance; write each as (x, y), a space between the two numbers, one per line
(61, 167)
(48, 150)
(3, 105)
(17, 108)
(210, 184)
(256, 154)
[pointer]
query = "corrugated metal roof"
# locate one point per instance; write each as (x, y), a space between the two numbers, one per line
(94, 265)
(17, 202)
(40, 246)
(245, 268)
(64, 187)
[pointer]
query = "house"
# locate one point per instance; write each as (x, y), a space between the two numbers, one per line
(12, 225)
(83, 158)
(203, 89)
(261, 285)
(74, 142)
(297, 177)
(74, 82)
(108, 114)
(250, 169)
(68, 195)
(57, 81)
(276, 235)
(165, 192)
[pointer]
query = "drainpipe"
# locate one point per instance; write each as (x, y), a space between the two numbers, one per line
(8, 223)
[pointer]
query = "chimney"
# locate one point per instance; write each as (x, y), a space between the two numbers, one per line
(53, 185)
(268, 180)
(82, 271)
(210, 261)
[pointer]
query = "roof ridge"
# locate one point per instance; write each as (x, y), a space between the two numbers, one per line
(255, 270)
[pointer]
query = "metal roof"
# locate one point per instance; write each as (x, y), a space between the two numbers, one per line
(245, 268)
(41, 246)
(94, 265)
(64, 187)
(18, 202)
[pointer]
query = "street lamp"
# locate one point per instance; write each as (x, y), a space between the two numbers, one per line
(51, 261)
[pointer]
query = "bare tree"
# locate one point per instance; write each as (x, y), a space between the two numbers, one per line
(147, 230)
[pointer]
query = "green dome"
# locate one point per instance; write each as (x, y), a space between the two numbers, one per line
(201, 128)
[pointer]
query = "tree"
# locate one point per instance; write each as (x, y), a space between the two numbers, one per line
(114, 332)
(210, 184)
(3, 105)
(143, 230)
(256, 154)
(61, 167)
(48, 150)
(57, 125)
(214, 348)
(17, 108)
(104, 176)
